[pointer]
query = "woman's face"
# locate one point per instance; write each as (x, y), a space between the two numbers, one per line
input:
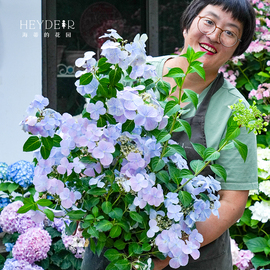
(216, 53)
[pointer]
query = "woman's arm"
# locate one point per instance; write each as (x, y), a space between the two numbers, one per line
(232, 206)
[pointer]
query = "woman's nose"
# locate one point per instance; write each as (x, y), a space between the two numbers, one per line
(215, 36)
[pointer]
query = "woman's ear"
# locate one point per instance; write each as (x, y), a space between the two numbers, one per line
(184, 33)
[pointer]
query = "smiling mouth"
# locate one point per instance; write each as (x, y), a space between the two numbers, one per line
(208, 48)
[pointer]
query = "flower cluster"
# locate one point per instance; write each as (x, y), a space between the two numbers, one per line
(3, 170)
(33, 245)
(42, 123)
(115, 169)
(241, 258)
(21, 172)
(13, 264)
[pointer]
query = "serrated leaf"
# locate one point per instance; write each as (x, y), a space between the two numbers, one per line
(196, 66)
(115, 231)
(106, 207)
(45, 153)
(12, 187)
(116, 213)
(171, 108)
(44, 202)
(164, 87)
(157, 164)
(136, 216)
(76, 214)
(175, 73)
(32, 144)
(97, 191)
(49, 213)
(185, 173)
(163, 136)
(56, 140)
(192, 97)
(199, 148)
(26, 207)
(104, 225)
(186, 126)
(120, 244)
(86, 78)
(163, 176)
(256, 244)
(185, 198)
(174, 173)
(123, 264)
(47, 142)
(178, 149)
(115, 76)
(211, 154)
(129, 125)
(112, 254)
(232, 133)
(260, 260)
(219, 171)
(197, 165)
(242, 149)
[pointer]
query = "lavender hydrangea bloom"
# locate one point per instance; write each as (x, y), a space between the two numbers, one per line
(96, 110)
(67, 198)
(21, 172)
(138, 182)
(13, 264)
(155, 196)
(75, 243)
(65, 166)
(3, 170)
(39, 103)
(33, 245)
(104, 152)
(89, 89)
(153, 228)
(174, 212)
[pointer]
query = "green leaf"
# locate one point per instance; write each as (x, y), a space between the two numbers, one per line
(136, 216)
(120, 244)
(97, 191)
(257, 244)
(163, 136)
(32, 144)
(264, 74)
(186, 127)
(56, 140)
(219, 171)
(93, 232)
(76, 214)
(163, 176)
(44, 202)
(174, 173)
(129, 125)
(197, 165)
(228, 146)
(123, 264)
(49, 213)
(211, 154)
(116, 213)
(175, 73)
(112, 254)
(4, 186)
(47, 142)
(178, 149)
(115, 231)
(199, 148)
(104, 225)
(106, 207)
(260, 260)
(192, 97)
(197, 67)
(185, 198)
(185, 173)
(86, 78)
(171, 108)
(242, 149)
(26, 207)
(232, 133)
(12, 187)
(115, 76)
(164, 87)
(157, 164)
(45, 153)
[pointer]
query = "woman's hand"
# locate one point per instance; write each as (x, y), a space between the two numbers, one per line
(160, 264)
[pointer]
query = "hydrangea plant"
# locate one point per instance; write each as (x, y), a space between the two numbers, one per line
(115, 171)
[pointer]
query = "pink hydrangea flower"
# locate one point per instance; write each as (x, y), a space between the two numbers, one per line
(33, 245)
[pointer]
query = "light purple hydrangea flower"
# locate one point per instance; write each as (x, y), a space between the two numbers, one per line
(13, 264)
(96, 109)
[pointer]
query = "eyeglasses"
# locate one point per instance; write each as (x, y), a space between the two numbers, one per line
(208, 26)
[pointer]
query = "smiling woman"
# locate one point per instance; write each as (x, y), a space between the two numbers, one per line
(222, 29)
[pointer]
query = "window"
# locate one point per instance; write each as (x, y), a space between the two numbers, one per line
(72, 28)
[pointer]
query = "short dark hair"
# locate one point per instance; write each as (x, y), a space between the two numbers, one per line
(241, 10)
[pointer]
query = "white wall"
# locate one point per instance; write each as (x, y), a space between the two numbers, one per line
(20, 73)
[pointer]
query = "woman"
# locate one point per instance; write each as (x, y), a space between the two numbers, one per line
(222, 29)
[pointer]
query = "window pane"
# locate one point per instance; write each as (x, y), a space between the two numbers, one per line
(81, 24)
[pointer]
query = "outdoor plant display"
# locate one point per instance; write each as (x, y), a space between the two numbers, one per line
(115, 172)
(33, 241)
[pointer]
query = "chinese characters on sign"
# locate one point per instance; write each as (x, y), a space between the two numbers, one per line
(30, 28)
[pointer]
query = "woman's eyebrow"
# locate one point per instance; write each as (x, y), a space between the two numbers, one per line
(217, 17)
